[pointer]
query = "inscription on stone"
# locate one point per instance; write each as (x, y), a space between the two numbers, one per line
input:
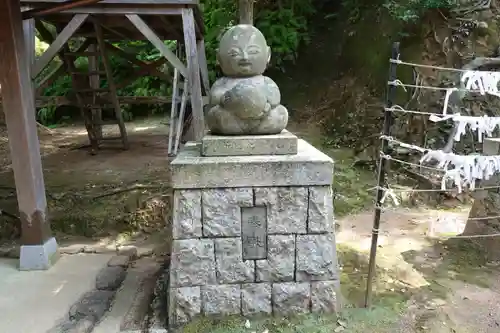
(254, 232)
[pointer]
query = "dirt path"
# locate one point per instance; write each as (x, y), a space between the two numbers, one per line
(439, 286)
(92, 195)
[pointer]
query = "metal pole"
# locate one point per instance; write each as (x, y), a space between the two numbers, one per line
(381, 174)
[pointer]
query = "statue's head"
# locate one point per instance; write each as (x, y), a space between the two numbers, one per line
(243, 51)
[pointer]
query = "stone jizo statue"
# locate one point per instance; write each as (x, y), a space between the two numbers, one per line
(244, 102)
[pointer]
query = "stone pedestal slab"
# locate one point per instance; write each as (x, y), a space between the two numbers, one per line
(309, 167)
(252, 235)
(284, 143)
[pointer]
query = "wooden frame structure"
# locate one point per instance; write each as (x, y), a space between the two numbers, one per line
(153, 20)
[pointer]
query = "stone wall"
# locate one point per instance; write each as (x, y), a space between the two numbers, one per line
(260, 250)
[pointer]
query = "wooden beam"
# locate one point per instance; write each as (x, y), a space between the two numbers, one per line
(193, 79)
(111, 86)
(49, 79)
(148, 67)
(58, 43)
(202, 59)
(157, 42)
(60, 68)
(120, 2)
(30, 40)
(29, 37)
(43, 101)
(54, 9)
(130, 10)
(23, 140)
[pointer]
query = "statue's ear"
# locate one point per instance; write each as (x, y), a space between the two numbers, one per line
(217, 57)
(268, 54)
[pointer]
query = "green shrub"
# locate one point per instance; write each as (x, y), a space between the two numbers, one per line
(412, 10)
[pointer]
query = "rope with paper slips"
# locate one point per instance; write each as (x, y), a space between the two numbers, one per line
(467, 168)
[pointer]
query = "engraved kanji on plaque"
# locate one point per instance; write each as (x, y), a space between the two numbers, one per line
(254, 232)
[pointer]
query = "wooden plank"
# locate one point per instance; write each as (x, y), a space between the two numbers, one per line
(173, 110)
(158, 43)
(50, 78)
(43, 101)
(202, 59)
(180, 120)
(123, 11)
(56, 8)
(21, 127)
(132, 59)
(124, 2)
(47, 37)
(193, 73)
(58, 43)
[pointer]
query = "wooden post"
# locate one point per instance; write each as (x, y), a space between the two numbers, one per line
(95, 83)
(203, 66)
(193, 77)
(246, 11)
(38, 248)
(29, 38)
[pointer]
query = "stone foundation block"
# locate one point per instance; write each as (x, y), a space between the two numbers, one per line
(252, 234)
(316, 258)
(320, 210)
(221, 299)
(186, 214)
(230, 265)
(256, 299)
(324, 296)
(222, 213)
(184, 304)
(280, 263)
(192, 263)
(286, 208)
(291, 298)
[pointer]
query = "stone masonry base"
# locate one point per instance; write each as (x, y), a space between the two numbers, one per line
(260, 250)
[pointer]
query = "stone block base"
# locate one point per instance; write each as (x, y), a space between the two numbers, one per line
(255, 249)
(284, 143)
(38, 257)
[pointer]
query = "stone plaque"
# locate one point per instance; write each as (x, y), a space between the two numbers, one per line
(254, 232)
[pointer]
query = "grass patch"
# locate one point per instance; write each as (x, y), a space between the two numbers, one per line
(377, 320)
(351, 184)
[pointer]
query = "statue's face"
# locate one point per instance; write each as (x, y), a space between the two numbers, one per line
(243, 51)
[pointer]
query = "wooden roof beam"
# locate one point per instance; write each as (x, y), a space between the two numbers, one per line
(58, 43)
(158, 43)
(148, 67)
(57, 8)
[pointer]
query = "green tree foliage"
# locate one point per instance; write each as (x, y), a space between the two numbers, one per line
(285, 24)
(412, 10)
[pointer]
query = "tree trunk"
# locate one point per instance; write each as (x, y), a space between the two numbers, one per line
(486, 203)
(246, 11)
(487, 206)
